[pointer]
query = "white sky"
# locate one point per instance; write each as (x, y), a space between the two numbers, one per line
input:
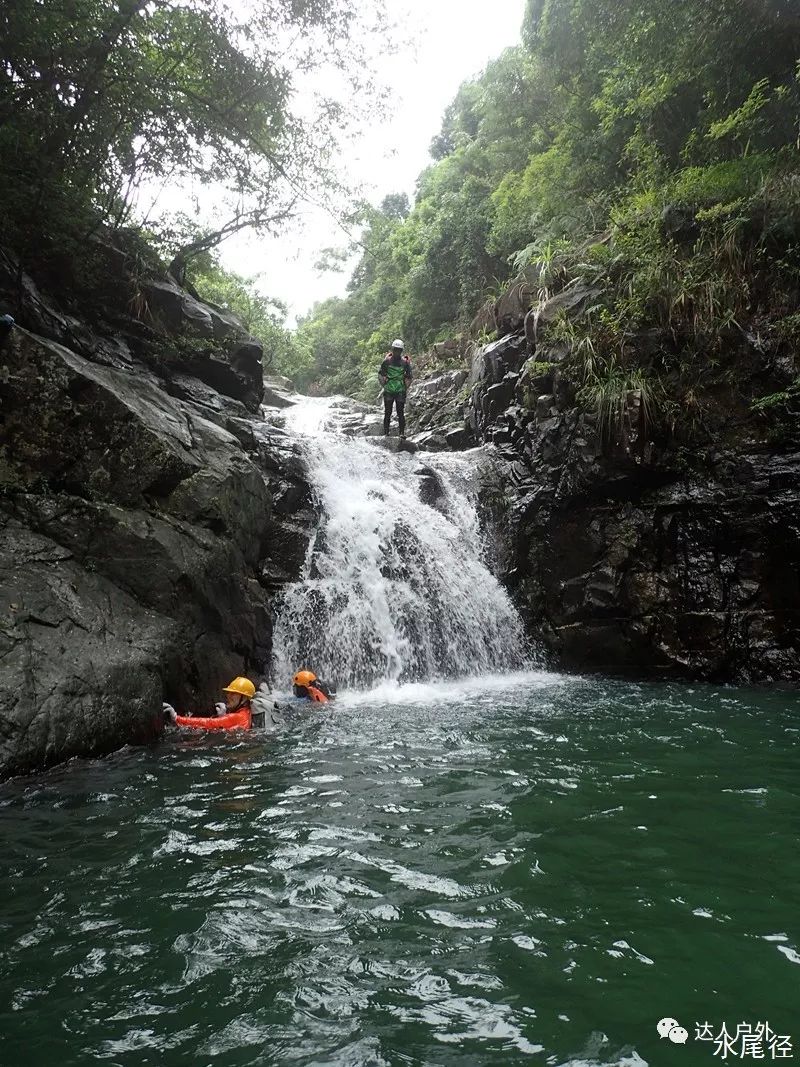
(453, 40)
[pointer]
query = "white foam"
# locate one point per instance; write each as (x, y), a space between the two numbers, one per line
(456, 690)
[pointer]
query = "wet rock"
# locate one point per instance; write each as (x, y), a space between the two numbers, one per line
(545, 408)
(20, 295)
(512, 306)
(235, 373)
(442, 384)
(429, 442)
(361, 425)
(493, 362)
(278, 381)
(214, 406)
(276, 398)
(437, 400)
(498, 397)
(176, 309)
(81, 662)
(452, 348)
(571, 300)
(141, 516)
(395, 444)
(431, 490)
(458, 438)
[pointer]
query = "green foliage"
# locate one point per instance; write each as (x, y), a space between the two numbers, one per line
(538, 201)
(788, 329)
(623, 401)
(102, 98)
(650, 148)
(539, 368)
(262, 317)
(784, 401)
(719, 183)
(647, 147)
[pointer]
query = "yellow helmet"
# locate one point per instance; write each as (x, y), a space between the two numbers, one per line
(304, 678)
(243, 686)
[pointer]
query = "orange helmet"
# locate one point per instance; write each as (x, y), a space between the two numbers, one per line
(304, 678)
(243, 686)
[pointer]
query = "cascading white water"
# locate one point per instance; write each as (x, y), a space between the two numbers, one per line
(394, 589)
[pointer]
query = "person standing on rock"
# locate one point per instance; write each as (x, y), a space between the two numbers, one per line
(395, 377)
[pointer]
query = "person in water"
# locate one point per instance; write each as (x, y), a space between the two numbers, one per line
(307, 686)
(395, 377)
(235, 714)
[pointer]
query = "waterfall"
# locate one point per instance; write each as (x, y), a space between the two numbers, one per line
(395, 587)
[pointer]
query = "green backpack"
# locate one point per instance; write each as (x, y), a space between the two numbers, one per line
(395, 378)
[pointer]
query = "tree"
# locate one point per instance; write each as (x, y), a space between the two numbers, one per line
(263, 317)
(607, 117)
(99, 98)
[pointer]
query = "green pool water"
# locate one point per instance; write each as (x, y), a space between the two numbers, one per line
(530, 870)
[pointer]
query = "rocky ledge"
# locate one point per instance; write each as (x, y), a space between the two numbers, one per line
(149, 514)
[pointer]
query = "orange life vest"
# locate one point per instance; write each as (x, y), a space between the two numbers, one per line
(316, 695)
(234, 720)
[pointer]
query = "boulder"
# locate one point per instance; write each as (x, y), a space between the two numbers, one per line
(81, 661)
(276, 398)
(545, 407)
(492, 362)
(513, 305)
(202, 340)
(177, 310)
(278, 381)
(446, 383)
(394, 444)
(451, 349)
(431, 490)
(429, 442)
(235, 371)
(571, 300)
(498, 397)
(215, 406)
(458, 437)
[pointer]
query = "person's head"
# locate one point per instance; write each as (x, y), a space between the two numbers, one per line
(301, 681)
(397, 349)
(239, 693)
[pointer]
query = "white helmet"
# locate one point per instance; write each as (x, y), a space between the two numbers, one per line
(397, 343)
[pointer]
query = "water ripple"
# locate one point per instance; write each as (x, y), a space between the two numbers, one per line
(538, 878)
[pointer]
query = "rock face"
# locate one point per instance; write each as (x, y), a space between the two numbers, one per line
(149, 518)
(435, 411)
(643, 556)
(660, 568)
